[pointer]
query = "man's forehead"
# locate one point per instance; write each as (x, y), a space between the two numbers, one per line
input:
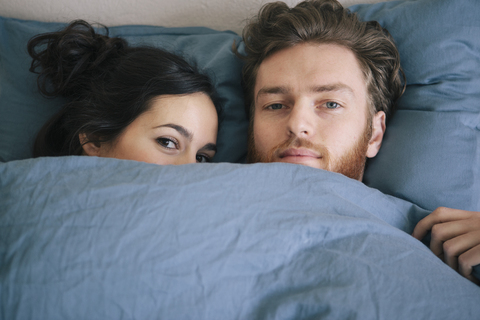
(310, 68)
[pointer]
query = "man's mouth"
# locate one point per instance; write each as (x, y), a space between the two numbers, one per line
(298, 153)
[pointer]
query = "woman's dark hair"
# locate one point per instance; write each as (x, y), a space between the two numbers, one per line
(107, 82)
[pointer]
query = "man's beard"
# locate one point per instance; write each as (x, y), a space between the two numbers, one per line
(351, 164)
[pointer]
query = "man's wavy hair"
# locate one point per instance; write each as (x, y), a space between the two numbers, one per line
(279, 27)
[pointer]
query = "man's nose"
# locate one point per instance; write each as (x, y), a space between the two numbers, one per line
(301, 121)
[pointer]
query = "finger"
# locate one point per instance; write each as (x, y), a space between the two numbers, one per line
(467, 260)
(458, 246)
(449, 230)
(421, 229)
(442, 257)
(439, 215)
(445, 231)
(473, 279)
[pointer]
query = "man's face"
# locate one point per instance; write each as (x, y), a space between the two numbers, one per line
(311, 108)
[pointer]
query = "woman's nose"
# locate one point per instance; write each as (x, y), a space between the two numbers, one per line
(185, 159)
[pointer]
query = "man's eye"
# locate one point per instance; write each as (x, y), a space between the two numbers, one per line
(203, 158)
(167, 143)
(332, 105)
(275, 106)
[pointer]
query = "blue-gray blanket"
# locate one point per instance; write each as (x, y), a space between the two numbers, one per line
(96, 238)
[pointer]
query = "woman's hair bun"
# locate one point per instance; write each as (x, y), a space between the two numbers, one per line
(67, 60)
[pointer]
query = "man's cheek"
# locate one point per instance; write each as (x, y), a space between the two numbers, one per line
(263, 140)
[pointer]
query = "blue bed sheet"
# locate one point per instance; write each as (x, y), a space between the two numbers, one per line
(96, 238)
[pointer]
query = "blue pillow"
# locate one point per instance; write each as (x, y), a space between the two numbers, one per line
(430, 155)
(23, 110)
(431, 151)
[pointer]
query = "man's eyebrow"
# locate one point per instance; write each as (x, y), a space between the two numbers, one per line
(272, 90)
(183, 131)
(322, 88)
(333, 87)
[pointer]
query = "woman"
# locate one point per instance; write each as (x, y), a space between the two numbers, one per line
(137, 103)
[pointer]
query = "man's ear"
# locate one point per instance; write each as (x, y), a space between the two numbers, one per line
(378, 130)
(89, 148)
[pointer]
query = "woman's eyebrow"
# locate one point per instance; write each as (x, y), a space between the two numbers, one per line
(182, 130)
(210, 147)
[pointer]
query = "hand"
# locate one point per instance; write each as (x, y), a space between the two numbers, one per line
(455, 238)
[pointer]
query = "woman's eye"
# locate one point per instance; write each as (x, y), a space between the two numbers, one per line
(203, 158)
(332, 105)
(167, 143)
(275, 106)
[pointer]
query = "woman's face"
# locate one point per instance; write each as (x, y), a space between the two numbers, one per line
(178, 129)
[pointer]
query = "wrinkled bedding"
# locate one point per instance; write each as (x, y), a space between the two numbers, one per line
(96, 238)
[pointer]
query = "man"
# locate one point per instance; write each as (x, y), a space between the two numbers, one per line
(319, 86)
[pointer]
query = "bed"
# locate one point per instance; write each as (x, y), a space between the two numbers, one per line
(97, 238)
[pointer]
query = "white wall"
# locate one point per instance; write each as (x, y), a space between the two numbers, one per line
(216, 14)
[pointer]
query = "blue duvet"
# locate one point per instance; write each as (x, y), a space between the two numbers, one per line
(96, 238)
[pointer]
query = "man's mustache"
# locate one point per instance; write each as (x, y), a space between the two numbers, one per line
(296, 142)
